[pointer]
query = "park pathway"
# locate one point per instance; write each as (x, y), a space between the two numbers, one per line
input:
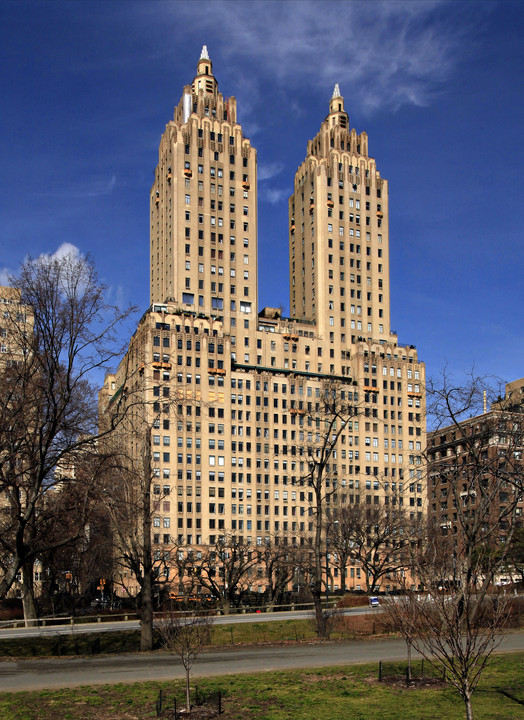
(17, 675)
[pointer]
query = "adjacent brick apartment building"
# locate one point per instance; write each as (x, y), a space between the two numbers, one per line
(475, 473)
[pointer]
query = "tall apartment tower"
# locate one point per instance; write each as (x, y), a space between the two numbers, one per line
(231, 393)
(339, 266)
(204, 206)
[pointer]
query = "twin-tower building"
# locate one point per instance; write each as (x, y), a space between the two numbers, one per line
(230, 393)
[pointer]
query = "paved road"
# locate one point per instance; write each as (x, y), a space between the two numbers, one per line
(71, 672)
(115, 626)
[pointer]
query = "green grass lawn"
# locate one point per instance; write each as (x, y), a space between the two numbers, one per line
(265, 632)
(328, 694)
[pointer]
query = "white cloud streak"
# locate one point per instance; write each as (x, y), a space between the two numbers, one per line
(384, 54)
(5, 274)
(267, 171)
(273, 196)
(89, 188)
(116, 295)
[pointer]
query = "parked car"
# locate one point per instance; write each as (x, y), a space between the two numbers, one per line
(374, 601)
(102, 603)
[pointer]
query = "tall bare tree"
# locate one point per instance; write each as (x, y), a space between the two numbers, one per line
(330, 415)
(59, 331)
(140, 567)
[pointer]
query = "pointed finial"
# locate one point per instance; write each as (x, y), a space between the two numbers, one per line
(204, 55)
(336, 92)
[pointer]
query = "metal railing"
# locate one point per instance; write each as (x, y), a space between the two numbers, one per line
(52, 621)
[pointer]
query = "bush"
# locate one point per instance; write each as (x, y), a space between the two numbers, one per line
(515, 611)
(11, 609)
(362, 625)
(353, 601)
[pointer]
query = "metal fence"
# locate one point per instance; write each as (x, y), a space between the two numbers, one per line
(132, 616)
(168, 706)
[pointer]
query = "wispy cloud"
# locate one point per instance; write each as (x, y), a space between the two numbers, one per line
(386, 53)
(116, 295)
(274, 196)
(5, 274)
(81, 189)
(267, 171)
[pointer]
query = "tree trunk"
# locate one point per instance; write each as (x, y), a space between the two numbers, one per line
(146, 617)
(188, 696)
(467, 702)
(28, 598)
(408, 643)
(9, 577)
(320, 618)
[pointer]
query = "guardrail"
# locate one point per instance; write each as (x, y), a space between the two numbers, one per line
(51, 621)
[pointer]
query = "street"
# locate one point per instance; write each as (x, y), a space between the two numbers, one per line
(110, 669)
(115, 626)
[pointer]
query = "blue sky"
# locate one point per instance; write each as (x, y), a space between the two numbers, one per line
(88, 87)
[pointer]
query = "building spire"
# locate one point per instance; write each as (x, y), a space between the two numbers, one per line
(336, 104)
(204, 55)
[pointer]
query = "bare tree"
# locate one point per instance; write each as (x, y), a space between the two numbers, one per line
(514, 563)
(475, 487)
(226, 569)
(280, 563)
(186, 634)
(338, 538)
(59, 331)
(455, 629)
(330, 416)
(71, 573)
(183, 560)
(140, 566)
(403, 621)
(378, 537)
(139, 492)
(475, 477)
